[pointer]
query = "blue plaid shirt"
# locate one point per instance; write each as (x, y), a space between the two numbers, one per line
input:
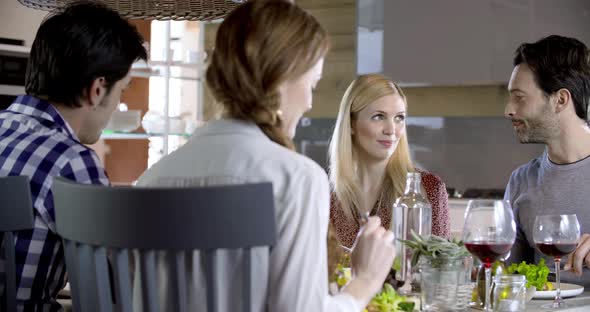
(35, 141)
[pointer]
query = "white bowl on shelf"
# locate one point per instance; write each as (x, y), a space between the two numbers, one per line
(154, 123)
(124, 121)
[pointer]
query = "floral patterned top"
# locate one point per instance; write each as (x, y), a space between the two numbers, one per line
(436, 192)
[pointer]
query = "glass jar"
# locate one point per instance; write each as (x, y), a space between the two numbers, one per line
(509, 293)
(446, 283)
(478, 299)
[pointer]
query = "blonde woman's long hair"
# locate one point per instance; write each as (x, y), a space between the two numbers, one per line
(344, 177)
(260, 45)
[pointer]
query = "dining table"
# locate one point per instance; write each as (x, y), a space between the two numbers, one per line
(580, 303)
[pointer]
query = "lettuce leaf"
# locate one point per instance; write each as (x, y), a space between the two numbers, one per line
(536, 275)
(388, 300)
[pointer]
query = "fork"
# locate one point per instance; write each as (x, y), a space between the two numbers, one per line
(363, 220)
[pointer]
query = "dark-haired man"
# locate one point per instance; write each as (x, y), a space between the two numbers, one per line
(78, 67)
(549, 103)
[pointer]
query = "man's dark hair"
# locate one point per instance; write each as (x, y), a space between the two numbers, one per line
(75, 45)
(559, 62)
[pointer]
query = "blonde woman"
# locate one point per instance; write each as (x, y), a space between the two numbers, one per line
(369, 159)
(268, 58)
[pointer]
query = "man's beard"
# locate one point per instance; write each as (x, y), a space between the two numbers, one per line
(540, 129)
(533, 132)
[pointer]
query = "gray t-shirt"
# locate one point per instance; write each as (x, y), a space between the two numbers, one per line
(543, 187)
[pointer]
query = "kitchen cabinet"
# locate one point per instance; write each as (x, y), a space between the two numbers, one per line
(437, 42)
(565, 17)
(464, 42)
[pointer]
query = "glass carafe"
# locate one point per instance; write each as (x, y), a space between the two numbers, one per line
(411, 212)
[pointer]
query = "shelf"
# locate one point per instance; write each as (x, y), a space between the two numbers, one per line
(109, 135)
(124, 136)
(178, 64)
(157, 69)
(156, 73)
(14, 49)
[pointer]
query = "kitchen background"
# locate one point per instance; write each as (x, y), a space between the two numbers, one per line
(453, 58)
(480, 158)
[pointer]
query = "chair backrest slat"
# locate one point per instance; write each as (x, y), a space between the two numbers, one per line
(10, 283)
(16, 214)
(150, 222)
(122, 279)
(178, 280)
(70, 250)
(103, 285)
(210, 277)
(86, 274)
(149, 288)
(247, 280)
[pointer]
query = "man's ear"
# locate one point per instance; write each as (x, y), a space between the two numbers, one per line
(562, 97)
(96, 92)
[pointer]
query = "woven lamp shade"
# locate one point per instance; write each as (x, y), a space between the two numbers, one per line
(190, 10)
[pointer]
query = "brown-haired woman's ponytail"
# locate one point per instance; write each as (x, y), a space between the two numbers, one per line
(264, 111)
(266, 115)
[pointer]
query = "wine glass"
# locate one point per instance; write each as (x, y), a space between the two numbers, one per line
(488, 234)
(556, 236)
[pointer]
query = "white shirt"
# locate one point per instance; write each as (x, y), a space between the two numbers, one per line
(294, 276)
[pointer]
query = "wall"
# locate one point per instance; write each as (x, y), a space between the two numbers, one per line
(457, 101)
(338, 17)
(18, 21)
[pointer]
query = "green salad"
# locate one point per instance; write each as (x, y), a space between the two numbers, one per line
(388, 300)
(536, 274)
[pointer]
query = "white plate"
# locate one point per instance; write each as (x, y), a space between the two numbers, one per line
(567, 290)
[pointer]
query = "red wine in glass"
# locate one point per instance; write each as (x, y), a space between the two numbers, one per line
(556, 236)
(488, 233)
(488, 252)
(556, 250)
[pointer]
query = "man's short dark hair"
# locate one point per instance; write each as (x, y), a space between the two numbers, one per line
(75, 45)
(559, 62)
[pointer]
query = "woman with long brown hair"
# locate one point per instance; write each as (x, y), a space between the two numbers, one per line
(268, 57)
